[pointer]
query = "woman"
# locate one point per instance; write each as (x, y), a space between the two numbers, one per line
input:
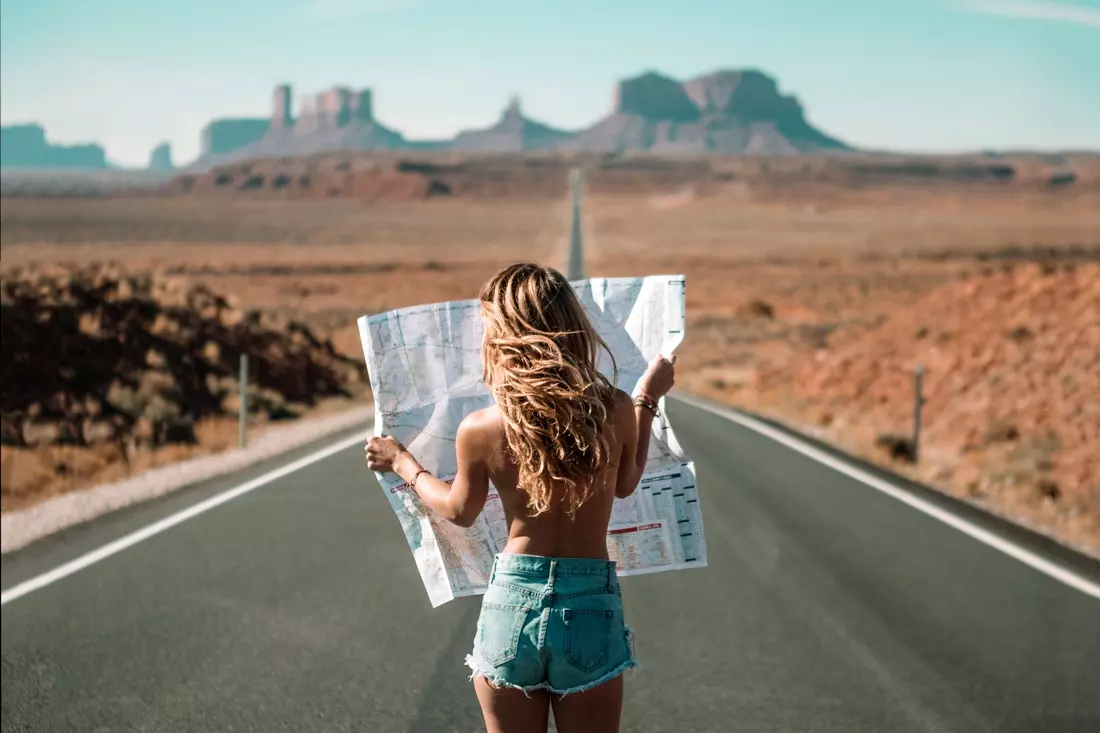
(560, 444)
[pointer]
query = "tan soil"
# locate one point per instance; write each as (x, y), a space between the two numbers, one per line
(791, 291)
(409, 176)
(817, 316)
(322, 263)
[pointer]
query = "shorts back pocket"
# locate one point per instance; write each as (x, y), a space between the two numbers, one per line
(587, 637)
(499, 629)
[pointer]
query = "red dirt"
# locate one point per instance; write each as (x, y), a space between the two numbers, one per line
(1012, 369)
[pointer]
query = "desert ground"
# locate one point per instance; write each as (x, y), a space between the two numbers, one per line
(809, 304)
(817, 315)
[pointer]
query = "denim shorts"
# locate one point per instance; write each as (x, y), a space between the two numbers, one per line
(552, 624)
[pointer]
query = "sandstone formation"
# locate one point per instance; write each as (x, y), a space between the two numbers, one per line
(512, 133)
(654, 97)
(727, 112)
(25, 146)
(282, 113)
(161, 158)
(224, 137)
(335, 119)
(96, 356)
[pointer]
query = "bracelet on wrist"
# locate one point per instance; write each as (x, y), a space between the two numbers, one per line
(648, 403)
(412, 484)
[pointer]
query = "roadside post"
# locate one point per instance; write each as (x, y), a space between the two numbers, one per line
(243, 410)
(918, 405)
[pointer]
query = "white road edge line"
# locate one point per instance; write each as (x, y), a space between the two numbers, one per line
(1053, 570)
(162, 525)
(1057, 572)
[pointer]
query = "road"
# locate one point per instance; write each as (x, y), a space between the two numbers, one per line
(826, 606)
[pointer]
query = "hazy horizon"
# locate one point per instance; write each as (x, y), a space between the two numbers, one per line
(920, 76)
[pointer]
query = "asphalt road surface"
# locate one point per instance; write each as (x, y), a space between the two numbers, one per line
(826, 606)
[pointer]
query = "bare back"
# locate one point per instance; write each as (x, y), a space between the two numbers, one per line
(554, 533)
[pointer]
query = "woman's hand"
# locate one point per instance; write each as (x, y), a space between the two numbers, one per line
(383, 453)
(659, 378)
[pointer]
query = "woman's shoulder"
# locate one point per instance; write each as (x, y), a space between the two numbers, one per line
(621, 407)
(483, 423)
(481, 434)
(623, 401)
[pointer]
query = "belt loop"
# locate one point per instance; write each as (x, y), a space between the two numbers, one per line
(611, 577)
(553, 572)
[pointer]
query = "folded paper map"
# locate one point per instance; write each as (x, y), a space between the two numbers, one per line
(425, 373)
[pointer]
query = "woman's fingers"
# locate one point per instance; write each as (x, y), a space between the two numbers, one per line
(378, 453)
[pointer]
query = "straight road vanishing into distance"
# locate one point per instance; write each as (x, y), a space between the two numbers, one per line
(836, 599)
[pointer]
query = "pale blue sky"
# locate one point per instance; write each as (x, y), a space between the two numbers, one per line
(920, 75)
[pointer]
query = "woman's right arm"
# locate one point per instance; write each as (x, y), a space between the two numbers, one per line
(638, 423)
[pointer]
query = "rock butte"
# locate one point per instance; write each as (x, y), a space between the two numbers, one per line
(728, 112)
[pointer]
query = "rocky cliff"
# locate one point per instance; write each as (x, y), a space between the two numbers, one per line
(225, 137)
(513, 133)
(729, 112)
(335, 119)
(654, 97)
(161, 158)
(25, 146)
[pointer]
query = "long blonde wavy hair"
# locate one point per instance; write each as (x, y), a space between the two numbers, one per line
(540, 357)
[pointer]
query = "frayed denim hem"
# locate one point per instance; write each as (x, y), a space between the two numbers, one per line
(500, 682)
(496, 681)
(628, 664)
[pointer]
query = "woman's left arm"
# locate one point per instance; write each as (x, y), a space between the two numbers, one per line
(459, 502)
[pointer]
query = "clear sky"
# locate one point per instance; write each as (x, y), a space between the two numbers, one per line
(916, 75)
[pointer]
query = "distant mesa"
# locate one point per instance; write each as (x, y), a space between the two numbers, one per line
(726, 112)
(336, 119)
(25, 146)
(512, 133)
(161, 158)
(654, 97)
(222, 137)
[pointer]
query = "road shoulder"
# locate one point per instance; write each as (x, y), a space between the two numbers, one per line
(76, 540)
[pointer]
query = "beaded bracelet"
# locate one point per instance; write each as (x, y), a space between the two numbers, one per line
(413, 482)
